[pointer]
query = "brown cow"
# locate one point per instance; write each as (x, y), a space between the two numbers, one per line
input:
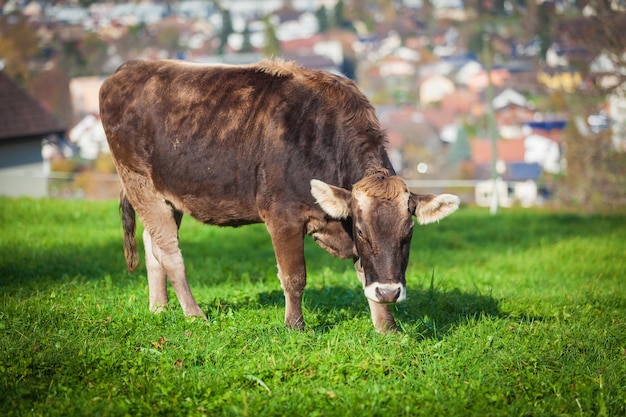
(299, 150)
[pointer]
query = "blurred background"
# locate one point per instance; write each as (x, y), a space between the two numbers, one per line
(524, 97)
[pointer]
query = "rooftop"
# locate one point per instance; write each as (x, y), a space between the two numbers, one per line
(21, 115)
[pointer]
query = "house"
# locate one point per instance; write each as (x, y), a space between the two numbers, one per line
(441, 120)
(543, 151)
(88, 135)
(467, 71)
(551, 128)
(479, 81)
(462, 102)
(389, 79)
(507, 97)
(508, 151)
(391, 66)
(412, 140)
(33, 10)
(523, 74)
(520, 165)
(24, 124)
(560, 79)
(84, 93)
(512, 111)
(434, 88)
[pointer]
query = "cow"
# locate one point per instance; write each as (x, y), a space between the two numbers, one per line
(300, 150)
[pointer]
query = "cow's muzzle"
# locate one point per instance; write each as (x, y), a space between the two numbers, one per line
(385, 293)
(378, 292)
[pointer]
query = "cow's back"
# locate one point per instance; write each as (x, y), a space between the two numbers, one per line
(224, 142)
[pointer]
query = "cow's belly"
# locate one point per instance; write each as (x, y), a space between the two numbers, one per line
(211, 209)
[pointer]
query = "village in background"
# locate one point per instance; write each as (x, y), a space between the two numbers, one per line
(539, 82)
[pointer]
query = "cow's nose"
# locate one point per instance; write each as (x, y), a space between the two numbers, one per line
(387, 295)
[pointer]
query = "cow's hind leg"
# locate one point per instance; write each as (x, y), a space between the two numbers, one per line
(163, 256)
(157, 277)
(288, 242)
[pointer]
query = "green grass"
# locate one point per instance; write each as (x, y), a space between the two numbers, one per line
(522, 314)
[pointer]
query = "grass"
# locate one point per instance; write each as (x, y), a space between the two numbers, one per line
(522, 314)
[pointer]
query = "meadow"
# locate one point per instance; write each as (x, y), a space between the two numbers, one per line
(518, 314)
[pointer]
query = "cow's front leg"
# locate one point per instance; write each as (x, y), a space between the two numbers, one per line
(381, 316)
(288, 241)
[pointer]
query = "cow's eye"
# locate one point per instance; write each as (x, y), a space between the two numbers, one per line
(361, 235)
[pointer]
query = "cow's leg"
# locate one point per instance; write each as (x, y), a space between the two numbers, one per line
(288, 241)
(167, 253)
(381, 316)
(161, 224)
(157, 277)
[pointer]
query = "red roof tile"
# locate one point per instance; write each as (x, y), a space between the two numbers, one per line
(508, 150)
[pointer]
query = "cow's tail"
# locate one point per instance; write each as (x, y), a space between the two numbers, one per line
(129, 224)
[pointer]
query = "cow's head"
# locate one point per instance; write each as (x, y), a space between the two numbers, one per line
(381, 209)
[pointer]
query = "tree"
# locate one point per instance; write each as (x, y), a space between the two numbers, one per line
(87, 3)
(227, 30)
(19, 45)
(322, 19)
(595, 177)
(70, 59)
(544, 17)
(246, 46)
(131, 42)
(460, 150)
(95, 53)
(339, 14)
(272, 45)
(529, 17)
(601, 30)
(595, 174)
(168, 38)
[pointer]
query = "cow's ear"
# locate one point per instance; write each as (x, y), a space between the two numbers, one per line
(335, 201)
(429, 208)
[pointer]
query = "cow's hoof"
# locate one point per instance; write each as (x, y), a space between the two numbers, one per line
(158, 309)
(196, 312)
(387, 327)
(295, 324)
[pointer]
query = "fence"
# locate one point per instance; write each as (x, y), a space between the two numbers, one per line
(98, 186)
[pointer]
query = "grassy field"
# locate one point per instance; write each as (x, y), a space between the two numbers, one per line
(522, 314)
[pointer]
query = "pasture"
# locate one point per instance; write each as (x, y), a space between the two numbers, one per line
(522, 314)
